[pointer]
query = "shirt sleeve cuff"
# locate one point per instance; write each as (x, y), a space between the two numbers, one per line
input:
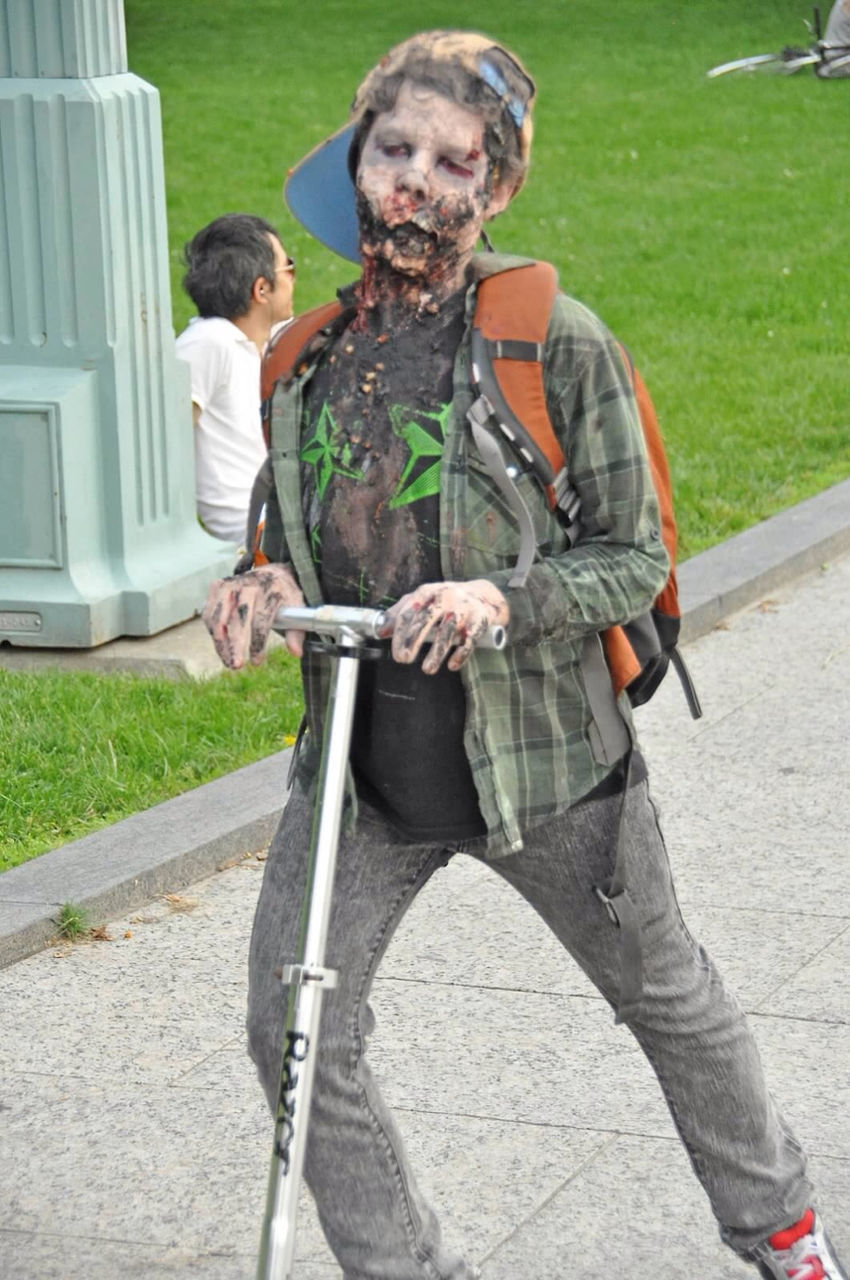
(530, 619)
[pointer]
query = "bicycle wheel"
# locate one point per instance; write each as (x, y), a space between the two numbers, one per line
(784, 63)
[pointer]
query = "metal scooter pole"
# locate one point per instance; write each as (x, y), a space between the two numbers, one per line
(308, 979)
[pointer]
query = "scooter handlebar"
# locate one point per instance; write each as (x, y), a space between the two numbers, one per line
(341, 622)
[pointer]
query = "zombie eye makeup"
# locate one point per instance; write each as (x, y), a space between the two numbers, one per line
(457, 169)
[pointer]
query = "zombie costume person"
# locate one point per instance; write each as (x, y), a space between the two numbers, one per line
(382, 500)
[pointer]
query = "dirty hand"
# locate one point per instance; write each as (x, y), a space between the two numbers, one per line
(240, 610)
(446, 615)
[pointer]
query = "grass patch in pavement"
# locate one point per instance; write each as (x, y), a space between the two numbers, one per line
(72, 923)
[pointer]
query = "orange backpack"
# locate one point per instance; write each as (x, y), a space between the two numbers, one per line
(509, 331)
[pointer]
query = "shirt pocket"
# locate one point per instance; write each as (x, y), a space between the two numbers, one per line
(491, 527)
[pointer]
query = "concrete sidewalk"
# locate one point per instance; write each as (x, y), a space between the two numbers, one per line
(135, 1139)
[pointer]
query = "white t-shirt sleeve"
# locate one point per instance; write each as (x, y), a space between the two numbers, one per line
(209, 364)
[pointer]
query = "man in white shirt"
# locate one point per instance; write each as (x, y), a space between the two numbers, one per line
(241, 281)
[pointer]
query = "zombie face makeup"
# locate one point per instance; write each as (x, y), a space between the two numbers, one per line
(466, 67)
(423, 188)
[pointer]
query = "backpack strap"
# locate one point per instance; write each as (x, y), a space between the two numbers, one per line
(512, 310)
(280, 361)
(286, 350)
(614, 896)
(479, 417)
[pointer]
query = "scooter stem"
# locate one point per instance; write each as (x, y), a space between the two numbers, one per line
(308, 979)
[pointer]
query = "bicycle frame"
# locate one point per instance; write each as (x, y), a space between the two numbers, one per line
(818, 54)
(349, 628)
(787, 66)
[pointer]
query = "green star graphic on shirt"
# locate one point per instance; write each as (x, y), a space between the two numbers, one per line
(419, 479)
(323, 452)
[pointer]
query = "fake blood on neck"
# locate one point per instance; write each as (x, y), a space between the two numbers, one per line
(412, 267)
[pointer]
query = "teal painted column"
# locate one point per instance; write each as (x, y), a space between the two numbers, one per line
(98, 536)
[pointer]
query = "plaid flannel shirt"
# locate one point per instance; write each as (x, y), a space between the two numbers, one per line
(528, 720)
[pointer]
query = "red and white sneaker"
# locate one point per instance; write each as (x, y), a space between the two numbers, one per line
(801, 1252)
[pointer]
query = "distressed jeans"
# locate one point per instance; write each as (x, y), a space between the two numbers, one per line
(691, 1030)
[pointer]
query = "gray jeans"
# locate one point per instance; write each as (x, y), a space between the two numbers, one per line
(690, 1029)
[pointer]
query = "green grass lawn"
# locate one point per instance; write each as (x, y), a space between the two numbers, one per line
(703, 220)
(79, 751)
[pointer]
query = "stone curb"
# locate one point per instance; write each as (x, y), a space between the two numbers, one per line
(174, 844)
(160, 850)
(745, 568)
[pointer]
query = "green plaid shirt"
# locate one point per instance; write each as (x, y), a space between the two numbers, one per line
(528, 722)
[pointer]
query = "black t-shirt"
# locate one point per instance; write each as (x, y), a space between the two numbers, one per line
(376, 414)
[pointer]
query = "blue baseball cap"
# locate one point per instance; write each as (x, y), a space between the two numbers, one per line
(320, 194)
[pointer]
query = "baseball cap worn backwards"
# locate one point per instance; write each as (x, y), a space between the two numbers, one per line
(469, 67)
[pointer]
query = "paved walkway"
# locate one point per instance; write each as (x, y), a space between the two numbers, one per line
(135, 1142)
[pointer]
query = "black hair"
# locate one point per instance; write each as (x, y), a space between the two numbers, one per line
(224, 259)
